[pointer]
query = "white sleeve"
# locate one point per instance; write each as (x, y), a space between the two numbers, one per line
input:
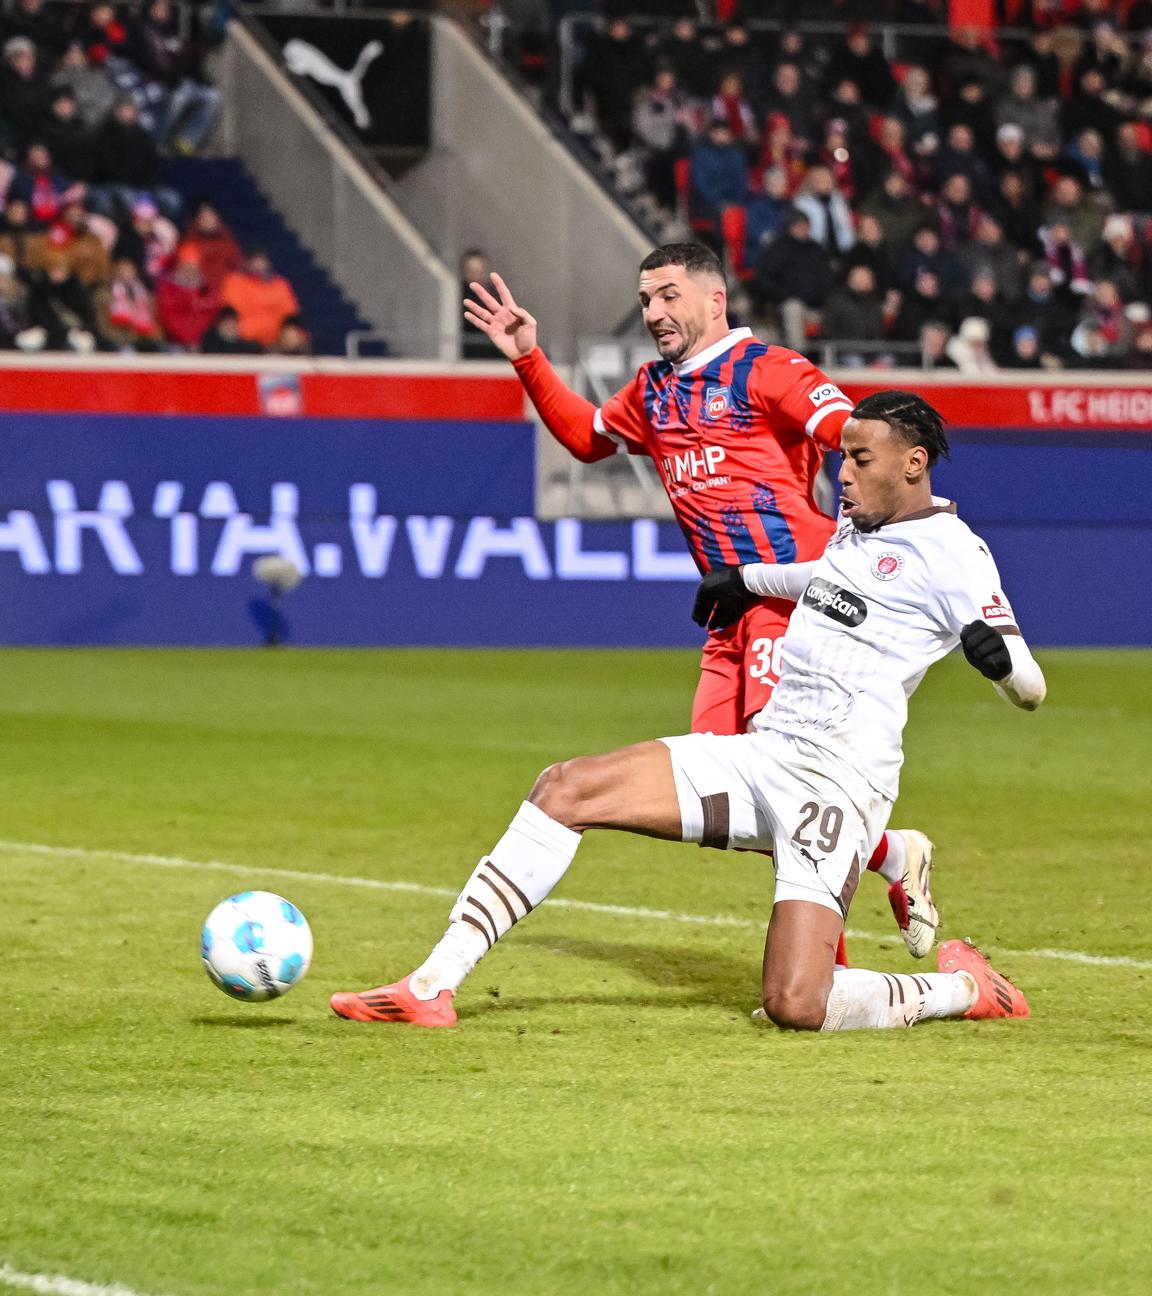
(1024, 687)
(777, 580)
(970, 590)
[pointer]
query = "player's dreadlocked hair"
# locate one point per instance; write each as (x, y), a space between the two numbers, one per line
(694, 257)
(909, 415)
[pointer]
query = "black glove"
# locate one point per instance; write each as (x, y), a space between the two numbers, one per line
(985, 649)
(721, 598)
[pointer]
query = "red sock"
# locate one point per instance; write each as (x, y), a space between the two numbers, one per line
(842, 952)
(880, 854)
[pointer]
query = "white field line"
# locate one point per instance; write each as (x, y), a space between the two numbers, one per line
(557, 902)
(58, 1285)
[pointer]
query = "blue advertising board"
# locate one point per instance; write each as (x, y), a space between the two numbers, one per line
(144, 529)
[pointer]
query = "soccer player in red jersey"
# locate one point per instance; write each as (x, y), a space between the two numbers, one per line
(737, 430)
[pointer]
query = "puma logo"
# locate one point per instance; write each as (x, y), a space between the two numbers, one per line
(303, 59)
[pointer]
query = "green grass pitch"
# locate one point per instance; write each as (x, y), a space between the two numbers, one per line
(606, 1118)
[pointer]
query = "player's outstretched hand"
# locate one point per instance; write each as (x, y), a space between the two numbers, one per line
(510, 328)
(985, 649)
(721, 598)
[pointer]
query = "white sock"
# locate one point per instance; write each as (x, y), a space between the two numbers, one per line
(863, 1000)
(525, 864)
(896, 859)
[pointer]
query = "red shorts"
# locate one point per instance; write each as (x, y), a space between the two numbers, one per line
(740, 668)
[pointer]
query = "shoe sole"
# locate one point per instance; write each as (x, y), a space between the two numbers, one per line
(920, 934)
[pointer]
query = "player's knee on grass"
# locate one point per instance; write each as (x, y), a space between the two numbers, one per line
(796, 1007)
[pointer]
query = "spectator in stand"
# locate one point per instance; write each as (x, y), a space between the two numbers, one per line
(43, 24)
(1104, 308)
(793, 46)
(934, 337)
(1084, 158)
(20, 238)
(191, 108)
(829, 216)
(614, 64)
(65, 135)
(1121, 259)
(789, 95)
(988, 253)
(682, 52)
(1017, 213)
(915, 106)
(71, 235)
(718, 174)
(93, 88)
(127, 163)
(660, 124)
(1040, 55)
(1106, 51)
(985, 301)
(783, 152)
(61, 314)
(966, 61)
(1010, 154)
(1036, 118)
(127, 311)
(958, 156)
(1140, 355)
(293, 338)
(871, 250)
(856, 171)
(216, 249)
(148, 240)
(103, 35)
(223, 338)
(1068, 204)
(795, 276)
(765, 214)
(23, 93)
(1090, 348)
(1050, 313)
(895, 207)
(261, 298)
(1024, 350)
(186, 304)
(957, 212)
(1067, 263)
(730, 105)
(861, 61)
(42, 187)
(855, 311)
(1128, 171)
(923, 303)
(927, 252)
(738, 54)
(13, 304)
(1092, 107)
(972, 107)
(891, 140)
(970, 349)
(474, 268)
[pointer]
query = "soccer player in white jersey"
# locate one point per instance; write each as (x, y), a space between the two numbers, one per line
(902, 582)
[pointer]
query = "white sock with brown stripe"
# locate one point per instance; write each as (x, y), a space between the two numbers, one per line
(863, 1000)
(525, 864)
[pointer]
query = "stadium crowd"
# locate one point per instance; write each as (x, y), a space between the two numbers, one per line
(95, 252)
(987, 201)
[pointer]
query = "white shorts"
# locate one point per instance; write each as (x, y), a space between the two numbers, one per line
(774, 792)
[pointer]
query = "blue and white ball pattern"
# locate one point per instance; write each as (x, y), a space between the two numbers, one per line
(256, 945)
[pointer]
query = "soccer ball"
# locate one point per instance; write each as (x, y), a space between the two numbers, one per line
(256, 945)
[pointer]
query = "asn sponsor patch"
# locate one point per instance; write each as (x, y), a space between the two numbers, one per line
(832, 601)
(997, 610)
(716, 401)
(829, 392)
(888, 565)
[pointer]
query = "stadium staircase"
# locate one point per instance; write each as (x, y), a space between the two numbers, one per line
(255, 222)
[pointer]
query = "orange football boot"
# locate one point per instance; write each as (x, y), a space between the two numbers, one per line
(996, 996)
(396, 1003)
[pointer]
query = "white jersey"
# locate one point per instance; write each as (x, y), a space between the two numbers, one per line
(878, 609)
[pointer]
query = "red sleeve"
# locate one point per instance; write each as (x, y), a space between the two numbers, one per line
(622, 417)
(566, 414)
(796, 395)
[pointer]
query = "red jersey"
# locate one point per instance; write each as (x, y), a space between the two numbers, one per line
(737, 434)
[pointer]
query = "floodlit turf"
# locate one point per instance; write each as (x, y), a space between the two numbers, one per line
(606, 1118)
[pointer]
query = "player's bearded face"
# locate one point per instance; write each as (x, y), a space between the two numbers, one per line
(874, 476)
(677, 310)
